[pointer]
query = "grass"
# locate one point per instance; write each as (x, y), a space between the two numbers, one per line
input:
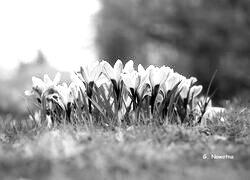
(130, 152)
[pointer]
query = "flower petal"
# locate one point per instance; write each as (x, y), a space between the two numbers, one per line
(155, 76)
(195, 91)
(128, 81)
(141, 70)
(171, 82)
(38, 83)
(184, 88)
(85, 74)
(129, 67)
(96, 71)
(102, 80)
(47, 80)
(164, 73)
(193, 80)
(137, 80)
(118, 70)
(107, 69)
(57, 78)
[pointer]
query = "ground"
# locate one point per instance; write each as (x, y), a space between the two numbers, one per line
(135, 152)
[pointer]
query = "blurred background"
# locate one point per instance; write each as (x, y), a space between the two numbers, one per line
(195, 37)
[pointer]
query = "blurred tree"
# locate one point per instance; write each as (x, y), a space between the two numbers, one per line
(116, 40)
(41, 59)
(196, 36)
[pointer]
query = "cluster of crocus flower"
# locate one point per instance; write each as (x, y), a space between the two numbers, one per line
(54, 99)
(127, 89)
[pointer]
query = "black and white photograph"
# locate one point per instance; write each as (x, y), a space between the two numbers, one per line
(124, 89)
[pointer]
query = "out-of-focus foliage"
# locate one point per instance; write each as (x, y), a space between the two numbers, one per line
(12, 98)
(195, 36)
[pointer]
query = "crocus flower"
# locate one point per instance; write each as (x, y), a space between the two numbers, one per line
(55, 99)
(113, 73)
(185, 86)
(52, 103)
(89, 76)
(172, 80)
(91, 73)
(195, 91)
(115, 76)
(129, 67)
(59, 99)
(144, 73)
(39, 86)
(69, 95)
(132, 80)
(158, 76)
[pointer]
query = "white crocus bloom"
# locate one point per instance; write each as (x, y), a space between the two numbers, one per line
(63, 92)
(113, 73)
(39, 86)
(48, 82)
(129, 67)
(185, 86)
(89, 76)
(172, 80)
(68, 93)
(62, 95)
(141, 70)
(77, 82)
(195, 91)
(38, 83)
(103, 80)
(91, 73)
(158, 76)
(144, 79)
(144, 74)
(132, 80)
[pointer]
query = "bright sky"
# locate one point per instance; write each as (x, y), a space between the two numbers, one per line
(61, 29)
